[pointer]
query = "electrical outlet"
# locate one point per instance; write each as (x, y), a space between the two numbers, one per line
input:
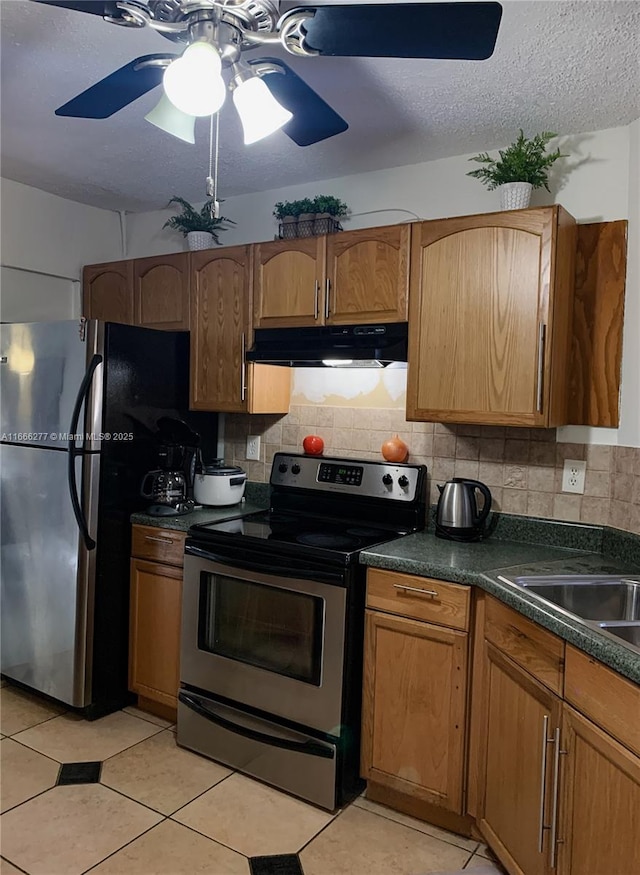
(573, 476)
(253, 447)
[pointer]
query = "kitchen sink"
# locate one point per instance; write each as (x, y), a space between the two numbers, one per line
(627, 631)
(603, 598)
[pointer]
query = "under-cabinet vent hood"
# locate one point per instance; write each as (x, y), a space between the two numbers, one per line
(331, 346)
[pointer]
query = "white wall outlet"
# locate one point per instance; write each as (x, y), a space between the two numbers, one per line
(253, 447)
(573, 476)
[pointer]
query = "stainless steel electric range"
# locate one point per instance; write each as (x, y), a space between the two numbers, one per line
(273, 619)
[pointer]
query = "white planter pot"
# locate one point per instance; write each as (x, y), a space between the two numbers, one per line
(199, 240)
(515, 195)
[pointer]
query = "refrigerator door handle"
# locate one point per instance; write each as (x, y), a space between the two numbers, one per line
(83, 391)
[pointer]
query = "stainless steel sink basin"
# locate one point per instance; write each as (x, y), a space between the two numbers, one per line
(627, 631)
(603, 598)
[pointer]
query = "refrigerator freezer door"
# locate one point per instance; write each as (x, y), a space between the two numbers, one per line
(47, 589)
(39, 380)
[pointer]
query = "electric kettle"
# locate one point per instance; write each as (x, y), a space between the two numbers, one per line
(457, 514)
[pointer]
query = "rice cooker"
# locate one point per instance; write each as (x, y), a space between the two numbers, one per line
(219, 485)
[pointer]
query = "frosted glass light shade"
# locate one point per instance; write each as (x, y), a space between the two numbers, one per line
(193, 83)
(259, 111)
(169, 118)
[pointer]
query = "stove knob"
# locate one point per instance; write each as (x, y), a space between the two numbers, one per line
(295, 469)
(403, 482)
(387, 479)
(282, 468)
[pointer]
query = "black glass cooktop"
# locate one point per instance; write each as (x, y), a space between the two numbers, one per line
(279, 527)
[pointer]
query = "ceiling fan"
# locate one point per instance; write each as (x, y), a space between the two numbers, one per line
(267, 93)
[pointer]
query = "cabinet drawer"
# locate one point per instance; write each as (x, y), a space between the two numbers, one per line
(159, 545)
(611, 701)
(539, 652)
(422, 598)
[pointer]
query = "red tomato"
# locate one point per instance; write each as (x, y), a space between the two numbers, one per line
(313, 445)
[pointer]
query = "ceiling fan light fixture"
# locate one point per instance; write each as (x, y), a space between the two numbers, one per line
(193, 82)
(259, 111)
(172, 120)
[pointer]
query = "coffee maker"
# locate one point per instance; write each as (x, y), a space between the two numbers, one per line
(169, 486)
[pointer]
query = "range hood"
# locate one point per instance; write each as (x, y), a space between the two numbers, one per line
(331, 345)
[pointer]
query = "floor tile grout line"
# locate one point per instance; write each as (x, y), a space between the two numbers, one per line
(320, 831)
(7, 860)
(126, 845)
(33, 750)
(204, 835)
(33, 726)
(439, 838)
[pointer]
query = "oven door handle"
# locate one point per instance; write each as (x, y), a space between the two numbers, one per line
(264, 567)
(310, 748)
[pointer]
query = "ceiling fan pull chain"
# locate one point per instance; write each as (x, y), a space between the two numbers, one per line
(212, 181)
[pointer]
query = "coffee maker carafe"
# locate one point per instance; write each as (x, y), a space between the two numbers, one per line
(170, 485)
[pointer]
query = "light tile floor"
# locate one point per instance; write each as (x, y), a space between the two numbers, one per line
(161, 810)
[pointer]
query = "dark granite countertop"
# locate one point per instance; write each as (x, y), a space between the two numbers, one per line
(202, 515)
(481, 564)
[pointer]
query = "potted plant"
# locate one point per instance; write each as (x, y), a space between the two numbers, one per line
(286, 212)
(200, 227)
(521, 167)
(306, 217)
(327, 208)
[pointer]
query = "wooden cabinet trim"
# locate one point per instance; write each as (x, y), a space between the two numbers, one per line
(158, 313)
(538, 651)
(449, 608)
(107, 292)
(607, 698)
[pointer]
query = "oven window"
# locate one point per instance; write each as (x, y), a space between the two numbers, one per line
(272, 628)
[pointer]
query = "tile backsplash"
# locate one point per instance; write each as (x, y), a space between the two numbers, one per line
(521, 466)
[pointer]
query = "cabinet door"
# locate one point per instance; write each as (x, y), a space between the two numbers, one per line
(600, 804)
(289, 282)
(161, 287)
(413, 722)
(220, 333)
(485, 320)
(107, 292)
(368, 272)
(517, 752)
(154, 631)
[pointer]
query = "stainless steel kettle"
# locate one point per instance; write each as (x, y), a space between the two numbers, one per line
(457, 516)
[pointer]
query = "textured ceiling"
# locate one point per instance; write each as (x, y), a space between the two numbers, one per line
(558, 65)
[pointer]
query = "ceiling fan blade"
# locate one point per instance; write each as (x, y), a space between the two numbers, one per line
(94, 7)
(424, 30)
(313, 119)
(117, 90)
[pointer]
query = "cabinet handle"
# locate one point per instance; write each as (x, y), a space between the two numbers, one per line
(315, 301)
(327, 293)
(160, 540)
(543, 780)
(555, 841)
(401, 586)
(243, 385)
(542, 335)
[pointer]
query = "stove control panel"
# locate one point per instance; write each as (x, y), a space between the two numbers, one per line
(395, 482)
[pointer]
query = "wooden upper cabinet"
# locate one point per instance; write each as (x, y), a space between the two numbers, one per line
(220, 309)
(161, 291)
(107, 292)
(289, 280)
(368, 273)
(490, 315)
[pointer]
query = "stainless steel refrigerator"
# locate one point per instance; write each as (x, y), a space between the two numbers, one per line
(79, 402)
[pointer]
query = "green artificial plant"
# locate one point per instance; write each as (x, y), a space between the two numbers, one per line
(191, 219)
(522, 161)
(325, 203)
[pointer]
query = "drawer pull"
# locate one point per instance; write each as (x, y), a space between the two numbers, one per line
(160, 540)
(431, 592)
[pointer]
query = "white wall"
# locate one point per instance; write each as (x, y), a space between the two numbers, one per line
(44, 244)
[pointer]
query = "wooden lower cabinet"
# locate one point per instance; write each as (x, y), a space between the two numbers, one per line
(518, 737)
(414, 708)
(599, 829)
(155, 614)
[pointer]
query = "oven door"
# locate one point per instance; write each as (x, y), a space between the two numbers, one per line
(269, 641)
